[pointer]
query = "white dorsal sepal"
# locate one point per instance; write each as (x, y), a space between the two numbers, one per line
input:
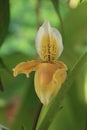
(48, 42)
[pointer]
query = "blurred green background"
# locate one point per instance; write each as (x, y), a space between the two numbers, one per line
(19, 104)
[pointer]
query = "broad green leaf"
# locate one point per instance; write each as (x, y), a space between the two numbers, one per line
(83, 1)
(73, 113)
(75, 29)
(46, 118)
(4, 19)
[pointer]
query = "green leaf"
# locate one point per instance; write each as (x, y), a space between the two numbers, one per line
(4, 19)
(83, 1)
(29, 107)
(49, 112)
(74, 39)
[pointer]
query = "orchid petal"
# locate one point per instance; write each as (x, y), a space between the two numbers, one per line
(25, 67)
(60, 65)
(47, 87)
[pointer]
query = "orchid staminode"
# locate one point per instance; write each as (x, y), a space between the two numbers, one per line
(50, 73)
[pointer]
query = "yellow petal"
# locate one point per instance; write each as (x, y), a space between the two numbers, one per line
(25, 67)
(48, 42)
(60, 65)
(45, 72)
(48, 80)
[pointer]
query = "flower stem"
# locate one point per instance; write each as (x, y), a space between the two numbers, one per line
(56, 5)
(1, 86)
(37, 117)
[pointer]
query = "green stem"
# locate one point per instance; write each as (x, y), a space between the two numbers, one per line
(1, 87)
(57, 9)
(37, 117)
(38, 4)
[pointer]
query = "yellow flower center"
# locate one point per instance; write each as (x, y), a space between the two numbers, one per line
(49, 48)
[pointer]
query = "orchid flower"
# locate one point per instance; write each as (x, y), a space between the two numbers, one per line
(50, 73)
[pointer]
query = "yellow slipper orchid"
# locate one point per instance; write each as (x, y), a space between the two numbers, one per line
(50, 74)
